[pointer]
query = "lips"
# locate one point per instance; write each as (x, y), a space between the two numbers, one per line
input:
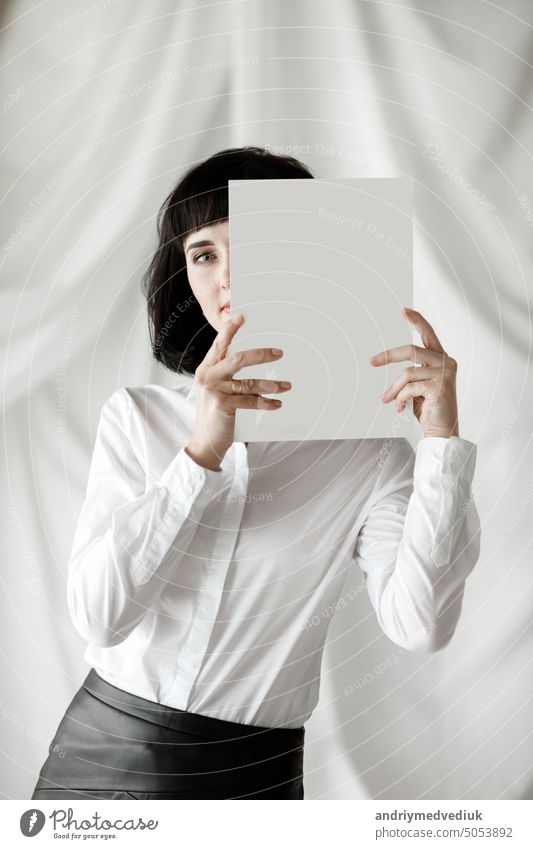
(225, 306)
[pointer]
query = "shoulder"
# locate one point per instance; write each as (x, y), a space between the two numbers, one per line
(147, 401)
(148, 417)
(152, 398)
(145, 395)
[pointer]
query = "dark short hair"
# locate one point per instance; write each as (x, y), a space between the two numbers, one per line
(179, 333)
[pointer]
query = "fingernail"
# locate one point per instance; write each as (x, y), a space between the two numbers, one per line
(285, 384)
(276, 351)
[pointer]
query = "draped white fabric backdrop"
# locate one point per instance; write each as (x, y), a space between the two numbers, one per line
(104, 105)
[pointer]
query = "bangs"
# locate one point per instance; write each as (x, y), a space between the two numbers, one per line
(204, 192)
(205, 205)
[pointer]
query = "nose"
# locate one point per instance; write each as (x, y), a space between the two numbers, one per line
(224, 270)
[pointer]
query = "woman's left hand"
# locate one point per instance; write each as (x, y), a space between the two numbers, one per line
(431, 386)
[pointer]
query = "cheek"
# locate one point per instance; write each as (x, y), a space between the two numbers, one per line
(201, 289)
(193, 283)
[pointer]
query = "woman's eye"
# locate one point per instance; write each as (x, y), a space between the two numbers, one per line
(206, 253)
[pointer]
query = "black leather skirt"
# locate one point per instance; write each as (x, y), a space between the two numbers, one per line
(112, 744)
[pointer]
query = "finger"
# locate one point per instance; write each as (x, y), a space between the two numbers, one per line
(408, 375)
(254, 386)
(252, 402)
(223, 339)
(413, 390)
(424, 328)
(240, 359)
(415, 353)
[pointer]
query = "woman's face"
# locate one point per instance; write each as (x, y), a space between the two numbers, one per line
(207, 256)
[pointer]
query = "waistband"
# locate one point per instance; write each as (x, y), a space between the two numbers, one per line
(198, 724)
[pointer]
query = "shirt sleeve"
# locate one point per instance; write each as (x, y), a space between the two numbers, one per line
(421, 540)
(130, 538)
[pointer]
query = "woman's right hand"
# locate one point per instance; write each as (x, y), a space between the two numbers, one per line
(217, 395)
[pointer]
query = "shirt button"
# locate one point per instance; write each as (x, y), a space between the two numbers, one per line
(187, 489)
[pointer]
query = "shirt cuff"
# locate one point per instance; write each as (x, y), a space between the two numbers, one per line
(192, 484)
(440, 455)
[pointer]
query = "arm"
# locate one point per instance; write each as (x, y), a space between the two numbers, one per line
(420, 540)
(129, 539)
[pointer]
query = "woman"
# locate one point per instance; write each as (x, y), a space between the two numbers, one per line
(202, 568)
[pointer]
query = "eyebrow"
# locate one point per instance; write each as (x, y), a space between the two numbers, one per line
(204, 243)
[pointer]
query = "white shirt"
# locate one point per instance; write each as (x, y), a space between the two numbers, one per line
(206, 590)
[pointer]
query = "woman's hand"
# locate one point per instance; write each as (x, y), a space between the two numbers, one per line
(431, 386)
(218, 395)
